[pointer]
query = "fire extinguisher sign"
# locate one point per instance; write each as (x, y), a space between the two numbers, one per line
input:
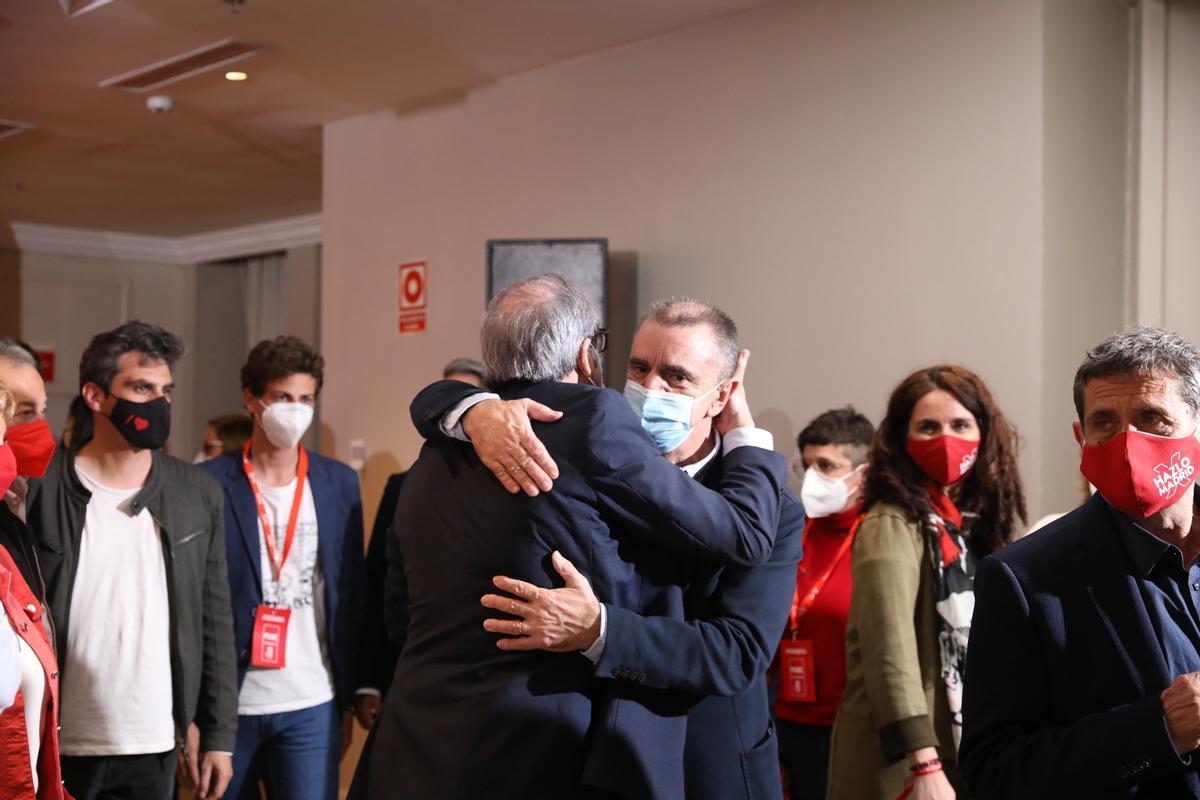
(413, 298)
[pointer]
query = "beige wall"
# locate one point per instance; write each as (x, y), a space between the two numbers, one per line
(859, 183)
(1085, 107)
(65, 300)
(1181, 197)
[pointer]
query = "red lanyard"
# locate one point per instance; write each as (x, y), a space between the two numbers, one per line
(301, 474)
(801, 605)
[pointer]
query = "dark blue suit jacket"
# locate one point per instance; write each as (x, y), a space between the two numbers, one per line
(1064, 672)
(735, 619)
(463, 718)
(339, 554)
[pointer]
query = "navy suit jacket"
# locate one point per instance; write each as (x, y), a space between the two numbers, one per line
(735, 618)
(1064, 672)
(463, 718)
(339, 555)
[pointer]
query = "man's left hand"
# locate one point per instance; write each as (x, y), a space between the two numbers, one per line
(216, 769)
(736, 413)
(189, 759)
(562, 620)
(347, 732)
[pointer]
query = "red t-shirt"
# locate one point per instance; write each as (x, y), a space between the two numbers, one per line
(825, 622)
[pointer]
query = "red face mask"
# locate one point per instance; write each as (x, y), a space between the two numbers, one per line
(32, 445)
(8, 468)
(945, 459)
(1140, 473)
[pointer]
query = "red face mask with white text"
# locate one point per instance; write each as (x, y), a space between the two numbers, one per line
(1140, 473)
(945, 459)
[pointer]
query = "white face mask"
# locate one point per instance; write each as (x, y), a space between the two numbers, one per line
(823, 496)
(286, 423)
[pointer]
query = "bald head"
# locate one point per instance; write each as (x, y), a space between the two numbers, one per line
(533, 330)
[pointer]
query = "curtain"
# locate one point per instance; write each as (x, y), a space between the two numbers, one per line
(263, 279)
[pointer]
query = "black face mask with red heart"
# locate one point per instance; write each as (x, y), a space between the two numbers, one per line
(144, 425)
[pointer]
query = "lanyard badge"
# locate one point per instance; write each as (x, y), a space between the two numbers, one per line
(268, 645)
(797, 660)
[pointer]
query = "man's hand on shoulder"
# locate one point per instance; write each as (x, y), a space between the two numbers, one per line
(1181, 706)
(505, 443)
(736, 413)
(562, 620)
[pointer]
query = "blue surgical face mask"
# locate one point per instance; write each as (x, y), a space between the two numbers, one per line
(666, 416)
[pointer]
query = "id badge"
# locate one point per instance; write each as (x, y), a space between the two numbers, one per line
(799, 682)
(268, 645)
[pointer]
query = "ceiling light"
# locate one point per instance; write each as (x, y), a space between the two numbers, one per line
(236, 76)
(10, 128)
(184, 65)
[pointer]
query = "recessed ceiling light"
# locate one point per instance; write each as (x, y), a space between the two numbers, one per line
(236, 76)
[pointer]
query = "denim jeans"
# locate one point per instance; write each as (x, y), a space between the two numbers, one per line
(296, 753)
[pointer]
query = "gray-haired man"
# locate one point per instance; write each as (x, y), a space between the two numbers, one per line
(467, 719)
(1084, 667)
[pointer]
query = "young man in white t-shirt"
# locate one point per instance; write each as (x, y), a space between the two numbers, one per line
(134, 565)
(295, 553)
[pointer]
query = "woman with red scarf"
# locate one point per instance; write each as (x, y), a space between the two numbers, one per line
(29, 762)
(942, 492)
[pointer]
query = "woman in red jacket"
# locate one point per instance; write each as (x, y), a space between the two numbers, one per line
(29, 765)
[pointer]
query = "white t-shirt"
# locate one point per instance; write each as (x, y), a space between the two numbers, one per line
(307, 678)
(10, 661)
(33, 692)
(116, 679)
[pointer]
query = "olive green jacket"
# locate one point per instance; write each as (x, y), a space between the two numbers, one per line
(895, 701)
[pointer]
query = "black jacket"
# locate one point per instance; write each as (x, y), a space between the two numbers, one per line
(1065, 672)
(188, 507)
(541, 725)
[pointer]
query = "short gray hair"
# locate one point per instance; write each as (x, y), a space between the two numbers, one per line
(14, 352)
(463, 366)
(684, 312)
(1143, 350)
(532, 330)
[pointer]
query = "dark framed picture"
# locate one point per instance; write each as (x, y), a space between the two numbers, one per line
(584, 262)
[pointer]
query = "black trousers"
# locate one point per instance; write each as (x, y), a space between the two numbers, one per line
(804, 751)
(140, 777)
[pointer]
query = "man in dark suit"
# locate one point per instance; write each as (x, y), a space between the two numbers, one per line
(1082, 677)
(377, 652)
(734, 615)
(467, 719)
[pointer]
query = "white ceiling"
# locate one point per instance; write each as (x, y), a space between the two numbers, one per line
(233, 154)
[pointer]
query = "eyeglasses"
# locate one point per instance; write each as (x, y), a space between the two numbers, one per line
(600, 339)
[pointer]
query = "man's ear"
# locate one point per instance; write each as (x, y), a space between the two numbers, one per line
(721, 397)
(583, 365)
(1077, 429)
(93, 396)
(248, 399)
